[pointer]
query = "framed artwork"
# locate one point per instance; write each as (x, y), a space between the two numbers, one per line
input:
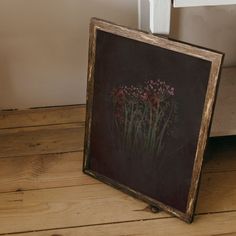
(149, 107)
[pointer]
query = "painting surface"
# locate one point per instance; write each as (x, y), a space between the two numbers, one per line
(146, 116)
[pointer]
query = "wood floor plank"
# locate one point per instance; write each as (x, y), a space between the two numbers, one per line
(64, 169)
(26, 141)
(42, 171)
(35, 158)
(217, 192)
(204, 225)
(41, 140)
(66, 207)
(42, 116)
(99, 204)
(28, 171)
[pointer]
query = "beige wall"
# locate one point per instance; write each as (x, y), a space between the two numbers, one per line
(211, 27)
(43, 48)
(43, 44)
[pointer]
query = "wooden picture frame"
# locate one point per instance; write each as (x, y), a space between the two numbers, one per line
(175, 84)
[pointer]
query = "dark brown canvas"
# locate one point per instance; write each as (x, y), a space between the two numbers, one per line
(150, 102)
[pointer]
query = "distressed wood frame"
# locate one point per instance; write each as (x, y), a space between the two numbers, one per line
(215, 58)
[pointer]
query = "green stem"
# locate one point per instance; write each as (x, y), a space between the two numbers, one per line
(164, 129)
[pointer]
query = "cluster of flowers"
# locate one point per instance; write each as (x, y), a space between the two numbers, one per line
(152, 92)
(142, 114)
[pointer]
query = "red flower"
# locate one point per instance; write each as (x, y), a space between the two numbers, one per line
(144, 96)
(154, 100)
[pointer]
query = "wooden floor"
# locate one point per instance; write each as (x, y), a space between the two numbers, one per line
(43, 191)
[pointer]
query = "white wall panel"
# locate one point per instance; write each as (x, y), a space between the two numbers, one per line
(191, 3)
(211, 27)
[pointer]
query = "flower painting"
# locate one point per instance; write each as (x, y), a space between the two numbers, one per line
(149, 104)
(143, 115)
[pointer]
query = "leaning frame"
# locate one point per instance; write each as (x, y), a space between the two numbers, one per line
(215, 59)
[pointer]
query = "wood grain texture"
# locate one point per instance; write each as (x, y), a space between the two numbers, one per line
(100, 204)
(68, 207)
(206, 225)
(41, 140)
(52, 209)
(65, 169)
(217, 192)
(153, 40)
(42, 116)
(42, 171)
